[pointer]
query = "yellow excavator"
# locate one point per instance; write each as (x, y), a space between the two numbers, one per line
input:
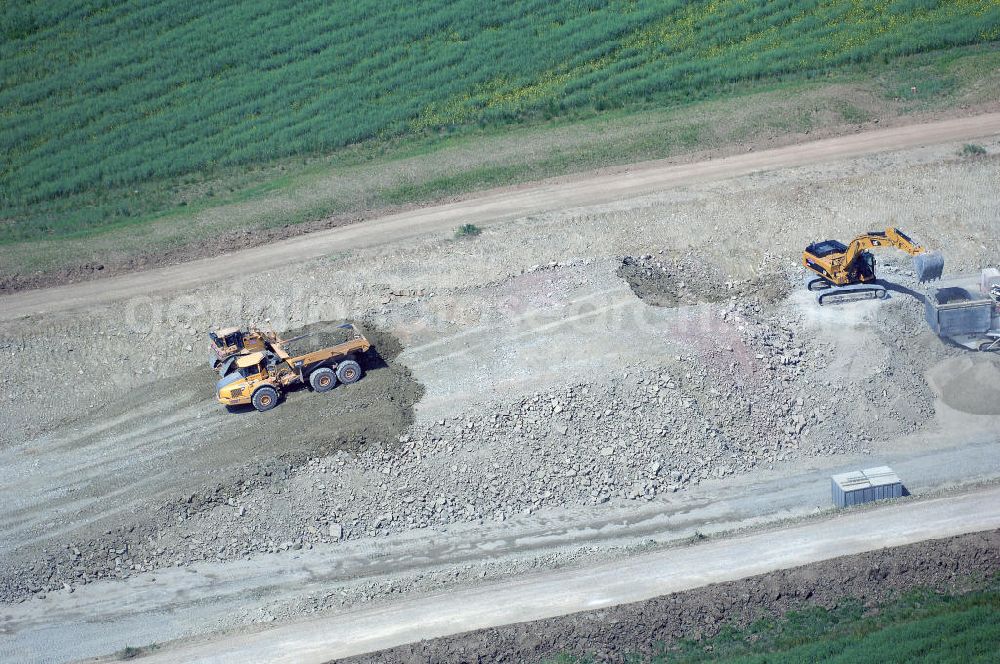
(847, 272)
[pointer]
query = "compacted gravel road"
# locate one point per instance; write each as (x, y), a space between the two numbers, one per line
(638, 578)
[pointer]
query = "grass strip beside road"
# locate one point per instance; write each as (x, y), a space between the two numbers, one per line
(919, 626)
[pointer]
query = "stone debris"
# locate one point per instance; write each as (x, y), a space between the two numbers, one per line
(747, 390)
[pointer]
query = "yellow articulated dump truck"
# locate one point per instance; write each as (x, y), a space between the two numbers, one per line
(260, 378)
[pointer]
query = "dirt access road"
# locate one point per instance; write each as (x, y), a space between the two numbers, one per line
(186, 603)
(558, 194)
(639, 578)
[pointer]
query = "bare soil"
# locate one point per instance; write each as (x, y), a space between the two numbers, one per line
(508, 377)
(954, 565)
(237, 452)
(520, 374)
(969, 384)
(671, 280)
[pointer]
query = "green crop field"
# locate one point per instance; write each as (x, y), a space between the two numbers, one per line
(920, 626)
(107, 108)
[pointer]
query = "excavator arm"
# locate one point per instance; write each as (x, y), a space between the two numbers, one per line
(892, 237)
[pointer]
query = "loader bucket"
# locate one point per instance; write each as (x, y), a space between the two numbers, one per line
(928, 265)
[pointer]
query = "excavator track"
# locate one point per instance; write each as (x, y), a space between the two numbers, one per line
(844, 294)
(818, 284)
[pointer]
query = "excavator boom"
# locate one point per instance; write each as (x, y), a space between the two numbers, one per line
(927, 265)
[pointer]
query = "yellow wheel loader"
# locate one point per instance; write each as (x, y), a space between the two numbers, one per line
(231, 342)
(847, 272)
(260, 378)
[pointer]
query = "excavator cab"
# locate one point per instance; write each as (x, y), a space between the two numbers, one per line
(825, 248)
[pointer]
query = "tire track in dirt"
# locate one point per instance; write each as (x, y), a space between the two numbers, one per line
(644, 629)
(542, 346)
(182, 601)
(641, 577)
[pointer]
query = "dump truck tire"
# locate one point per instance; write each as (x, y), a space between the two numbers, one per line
(265, 398)
(323, 379)
(348, 372)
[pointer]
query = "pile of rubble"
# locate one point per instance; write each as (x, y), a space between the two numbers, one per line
(672, 279)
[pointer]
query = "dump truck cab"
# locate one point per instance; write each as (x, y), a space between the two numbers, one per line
(248, 373)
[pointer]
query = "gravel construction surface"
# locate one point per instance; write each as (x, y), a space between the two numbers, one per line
(953, 565)
(602, 357)
(970, 384)
(740, 393)
(203, 462)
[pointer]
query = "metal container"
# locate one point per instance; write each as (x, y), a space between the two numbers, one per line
(865, 486)
(957, 308)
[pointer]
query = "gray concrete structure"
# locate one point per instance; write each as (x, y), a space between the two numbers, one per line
(865, 486)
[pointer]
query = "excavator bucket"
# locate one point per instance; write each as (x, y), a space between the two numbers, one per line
(928, 265)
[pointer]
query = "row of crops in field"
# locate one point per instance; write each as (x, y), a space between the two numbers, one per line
(919, 626)
(102, 95)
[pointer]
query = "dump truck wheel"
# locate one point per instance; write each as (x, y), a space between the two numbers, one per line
(323, 379)
(265, 398)
(348, 372)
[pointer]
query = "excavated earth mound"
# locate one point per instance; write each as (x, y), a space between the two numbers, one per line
(674, 280)
(376, 409)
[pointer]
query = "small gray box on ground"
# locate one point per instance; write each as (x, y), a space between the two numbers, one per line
(865, 486)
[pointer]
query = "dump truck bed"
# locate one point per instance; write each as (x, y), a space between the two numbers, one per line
(957, 309)
(314, 347)
(359, 345)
